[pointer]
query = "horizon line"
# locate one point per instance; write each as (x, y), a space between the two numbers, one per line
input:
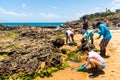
(33, 22)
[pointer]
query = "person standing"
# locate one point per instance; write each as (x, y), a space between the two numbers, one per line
(85, 25)
(104, 30)
(107, 23)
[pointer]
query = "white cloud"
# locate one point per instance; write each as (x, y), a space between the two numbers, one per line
(50, 16)
(12, 13)
(115, 1)
(79, 14)
(115, 4)
(23, 5)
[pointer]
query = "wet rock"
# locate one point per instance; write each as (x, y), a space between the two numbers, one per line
(118, 24)
(32, 47)
(54, 61)
(59, 42)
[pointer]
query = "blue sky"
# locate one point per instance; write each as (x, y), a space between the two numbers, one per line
(51, 10)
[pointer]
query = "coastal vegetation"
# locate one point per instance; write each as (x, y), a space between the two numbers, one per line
(107, 14)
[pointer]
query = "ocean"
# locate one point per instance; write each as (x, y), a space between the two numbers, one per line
(45, 24)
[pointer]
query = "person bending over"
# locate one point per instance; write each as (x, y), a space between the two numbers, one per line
(69, 35)
(88, 36)
(104, 30)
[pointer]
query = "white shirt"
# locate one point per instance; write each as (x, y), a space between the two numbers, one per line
(69, 32)
(95, 56)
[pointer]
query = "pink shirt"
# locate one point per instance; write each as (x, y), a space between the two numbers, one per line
(94, 55)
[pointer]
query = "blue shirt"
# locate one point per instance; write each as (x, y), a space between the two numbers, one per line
(105, 31)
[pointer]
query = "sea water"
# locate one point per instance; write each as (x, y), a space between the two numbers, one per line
(45, 24)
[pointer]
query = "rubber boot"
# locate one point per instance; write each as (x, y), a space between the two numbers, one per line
(104, 54)
(94, 72)
(101, 52)
(92, 41)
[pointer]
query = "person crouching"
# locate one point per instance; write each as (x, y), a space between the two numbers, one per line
(96, 62)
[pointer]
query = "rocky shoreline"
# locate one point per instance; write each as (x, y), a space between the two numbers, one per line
(114, 22)
(25, 49)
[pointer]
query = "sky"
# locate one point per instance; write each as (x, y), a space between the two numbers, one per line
(52, 10)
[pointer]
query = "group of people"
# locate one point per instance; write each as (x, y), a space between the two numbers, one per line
(94, 59)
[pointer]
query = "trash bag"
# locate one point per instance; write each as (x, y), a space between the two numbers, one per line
(71, 43)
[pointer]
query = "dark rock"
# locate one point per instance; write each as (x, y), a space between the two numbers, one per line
(36, 47)
(59, 42)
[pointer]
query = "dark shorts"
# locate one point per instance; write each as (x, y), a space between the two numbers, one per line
(83, 31)
(104, 42)
(67, 35)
